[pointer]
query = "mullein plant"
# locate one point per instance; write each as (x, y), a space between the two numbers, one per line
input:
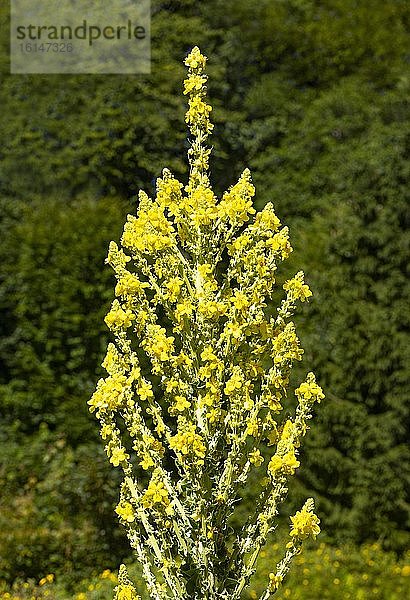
(194, 279)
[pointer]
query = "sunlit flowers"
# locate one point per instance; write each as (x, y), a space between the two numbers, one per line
(198, 378)
(305, 523)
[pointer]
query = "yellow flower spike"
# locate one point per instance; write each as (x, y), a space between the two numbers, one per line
(305, 523)
(116, 257)
(195, 59)
(296, 288)
(310, 391)
(125, 590)
(236, 204)
(197, 375)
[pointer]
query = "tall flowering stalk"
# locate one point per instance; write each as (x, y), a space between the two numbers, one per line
(197, 376)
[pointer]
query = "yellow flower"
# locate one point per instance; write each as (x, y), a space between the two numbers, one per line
(146, 462)
(180, 403)
(204, 270)
(305, 523)
(47, 579)
(213, 415)
(155, 493)
(256, 458)
(235, 382)
(280, 244)
(171, 385)
(150, 232)
(126, 592)
(183, 309)
(118, 455)
(236, 204)
(182, 359)
(173, 288)
(211, 308)
(157, 344)
(206, 371)
(113, 362)
(273, 401)
(234, 330)
(297, 288)
(274, 582)
(310, 390)
(290, 462)
(239, 300)
(241, 242)
(286, 346)
(125, 511)
(266, 221)
(118, 318)
(144, 390)
(252, 427)
(187, 441)
(195, 59)
(106, 574)
(286, 464)
(198, 109)
(194, 83)
(289, 433)
(129, 285)
(210, 398)
(208, 354)
(169, 192)
(109, 392)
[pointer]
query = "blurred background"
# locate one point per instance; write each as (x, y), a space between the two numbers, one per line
(313, 96)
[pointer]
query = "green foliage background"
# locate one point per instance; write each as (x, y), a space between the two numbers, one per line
(313, 96)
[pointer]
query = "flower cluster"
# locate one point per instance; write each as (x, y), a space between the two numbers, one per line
(125, 590)
(198, 378)
(305, 523)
